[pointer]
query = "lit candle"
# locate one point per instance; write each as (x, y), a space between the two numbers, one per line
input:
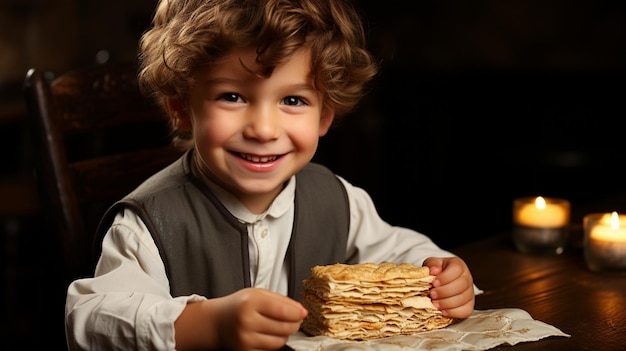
(541, 224)
(541, 213)
(605, 241)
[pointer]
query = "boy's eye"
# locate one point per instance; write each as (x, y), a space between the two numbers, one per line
(231, 97)
(293, 101)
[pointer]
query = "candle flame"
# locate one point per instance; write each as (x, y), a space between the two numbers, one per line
(540, 203)
(614, 221)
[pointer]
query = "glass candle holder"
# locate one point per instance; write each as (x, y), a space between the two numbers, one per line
(541, 225)
(604, 242)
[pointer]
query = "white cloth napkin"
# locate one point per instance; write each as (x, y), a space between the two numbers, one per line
(483, 330)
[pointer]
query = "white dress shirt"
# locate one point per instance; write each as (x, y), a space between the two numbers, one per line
(127, 304)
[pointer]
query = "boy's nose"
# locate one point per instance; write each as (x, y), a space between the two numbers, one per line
(263, 124)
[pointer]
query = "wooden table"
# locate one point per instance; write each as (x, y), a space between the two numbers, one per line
(558, 290)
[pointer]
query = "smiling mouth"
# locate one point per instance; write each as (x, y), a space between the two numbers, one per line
(258, 159)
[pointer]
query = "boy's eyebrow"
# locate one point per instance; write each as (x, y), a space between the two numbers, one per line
(304, 87)
(223, 80)
(220, 80)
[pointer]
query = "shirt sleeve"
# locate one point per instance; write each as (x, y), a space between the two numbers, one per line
(127, 304)
(371, 239)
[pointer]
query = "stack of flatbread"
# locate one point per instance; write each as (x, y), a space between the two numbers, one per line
(367, 301)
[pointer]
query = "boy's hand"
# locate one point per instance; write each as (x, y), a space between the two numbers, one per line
(249, 319)
(453, 286)
(258, 319)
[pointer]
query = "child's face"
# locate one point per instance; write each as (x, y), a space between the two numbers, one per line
(251, 134)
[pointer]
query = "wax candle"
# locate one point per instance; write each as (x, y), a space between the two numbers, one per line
(540, 212)
(605, 241)
(541, 224)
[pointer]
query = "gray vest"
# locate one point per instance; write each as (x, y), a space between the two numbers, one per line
(205, 248)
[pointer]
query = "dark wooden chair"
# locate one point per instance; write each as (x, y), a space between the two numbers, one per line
(97, 138)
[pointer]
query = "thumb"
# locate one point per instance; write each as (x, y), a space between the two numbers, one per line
(434, 265)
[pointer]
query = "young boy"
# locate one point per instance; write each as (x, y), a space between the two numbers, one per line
(210, 252)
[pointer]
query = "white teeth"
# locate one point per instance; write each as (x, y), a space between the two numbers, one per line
(257, 158)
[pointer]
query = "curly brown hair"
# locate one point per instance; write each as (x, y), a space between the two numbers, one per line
(187, 35)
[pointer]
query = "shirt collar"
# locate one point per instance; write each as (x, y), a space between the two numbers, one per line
(281, 204)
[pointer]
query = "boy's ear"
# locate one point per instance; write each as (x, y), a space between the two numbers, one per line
(326, 120)
(177, 113)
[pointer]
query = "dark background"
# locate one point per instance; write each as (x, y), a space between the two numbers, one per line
(476, 103)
